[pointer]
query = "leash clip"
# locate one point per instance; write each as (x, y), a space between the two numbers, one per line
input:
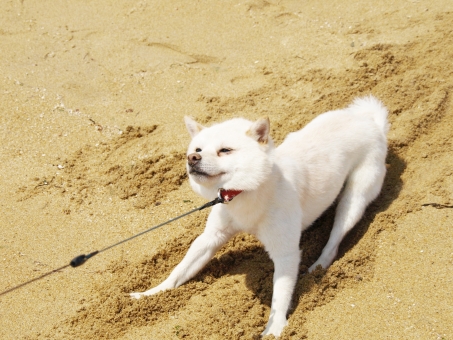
(220, 197)
(226, 196)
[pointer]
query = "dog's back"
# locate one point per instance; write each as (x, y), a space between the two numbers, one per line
(319, 158)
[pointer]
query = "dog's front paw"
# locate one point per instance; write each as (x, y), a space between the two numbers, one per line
(136, 295)
(275, 327)
(160, 288)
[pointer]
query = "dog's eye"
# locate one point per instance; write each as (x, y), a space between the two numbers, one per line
(197, 150)
(225, 150)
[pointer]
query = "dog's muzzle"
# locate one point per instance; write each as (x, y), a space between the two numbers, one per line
(195, 168)
(193, 159)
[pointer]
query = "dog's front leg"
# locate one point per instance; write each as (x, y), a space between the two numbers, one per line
(285, 276)
(281, 239)
(200, 252)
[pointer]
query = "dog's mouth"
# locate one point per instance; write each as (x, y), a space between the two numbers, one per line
(202, 174)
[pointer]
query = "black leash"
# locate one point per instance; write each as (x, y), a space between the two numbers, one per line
(223, 196)
(437, 205)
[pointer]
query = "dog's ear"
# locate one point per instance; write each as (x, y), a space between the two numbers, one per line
(260, 130)
(192, 126)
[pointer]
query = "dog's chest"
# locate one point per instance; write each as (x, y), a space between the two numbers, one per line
(246, 218)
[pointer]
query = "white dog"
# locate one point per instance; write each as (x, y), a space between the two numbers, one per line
(284, 190)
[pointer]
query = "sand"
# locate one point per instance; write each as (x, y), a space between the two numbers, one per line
(92, 151)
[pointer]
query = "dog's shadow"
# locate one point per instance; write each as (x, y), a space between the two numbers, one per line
(247, 256)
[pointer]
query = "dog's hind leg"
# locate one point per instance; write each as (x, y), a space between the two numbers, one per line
(362, 186)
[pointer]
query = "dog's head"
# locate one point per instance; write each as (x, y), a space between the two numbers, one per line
(235, 154)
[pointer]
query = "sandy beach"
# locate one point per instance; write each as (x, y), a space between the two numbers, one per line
(93, 144)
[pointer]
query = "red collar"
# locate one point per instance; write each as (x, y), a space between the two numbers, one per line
(227, 195)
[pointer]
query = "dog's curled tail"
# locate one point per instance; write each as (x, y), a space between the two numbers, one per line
(372, 105)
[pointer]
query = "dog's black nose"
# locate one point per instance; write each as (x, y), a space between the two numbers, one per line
(193, 158)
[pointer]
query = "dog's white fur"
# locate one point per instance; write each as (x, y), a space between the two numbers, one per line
(285, 189)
